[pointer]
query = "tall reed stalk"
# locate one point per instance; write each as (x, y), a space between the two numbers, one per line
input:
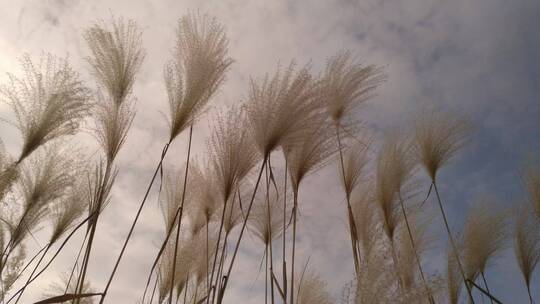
(453, 243)
(181, 211)
(226, 277)
(352, 225)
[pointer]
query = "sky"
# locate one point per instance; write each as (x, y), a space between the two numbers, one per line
(478, 57)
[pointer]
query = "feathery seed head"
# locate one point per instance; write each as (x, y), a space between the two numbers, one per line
(98, 188)
(281, 108)
(394, 169)
(312, 290)
(527, 242)
(439, 136)
(50, 101)
(265, 221)
(172, 199)
(116, 56)
(311, 150)
(407, 265)
(8, 171)
(366, 217)
(231, 151)
(453, 278)
(112, 123)
(484, 237)
(347, 85)
(355, 159)
(197, 71)
(47, 177)
(205, 195)
(65, 212)
(233, 215)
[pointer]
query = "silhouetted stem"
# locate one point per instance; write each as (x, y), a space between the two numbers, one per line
(181, 207)
(295, 207)
(75, 264)
(491, 297)
(54, 256)
(227, 276)
(352, 224)
(162, 249)
(30, 262)
(33, 271)
(133, 224)
(223, 249)
(486, 285)
(93, 224)
(154, 289)
(452, 242)
(266, 274)
(217, 245)
(269, 215)
(284, 264)
(430, 297)
(529, 293)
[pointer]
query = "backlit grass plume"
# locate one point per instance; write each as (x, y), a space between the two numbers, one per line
(304, 155)
(407, 254)
(439, 136)
(454, 282)
(183, 269)
(232, 154)
(376, 283)
(281, 108)
(310, 151)
(193, 77)
(312, 290)
(484, 238)
(355, 160)
(112, 123)
(65, 213)
(264, 225)
(527, 244)
(367, 219)
(197, 70)
(394, 170)
(171, 198)
(44, 179)
(116, 56)
(231, 151)
(347, 85)
(49, 101)
(8, 171)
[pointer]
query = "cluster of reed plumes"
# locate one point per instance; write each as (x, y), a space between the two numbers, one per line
(291, 124)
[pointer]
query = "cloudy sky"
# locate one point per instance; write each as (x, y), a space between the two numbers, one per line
(478, 57)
